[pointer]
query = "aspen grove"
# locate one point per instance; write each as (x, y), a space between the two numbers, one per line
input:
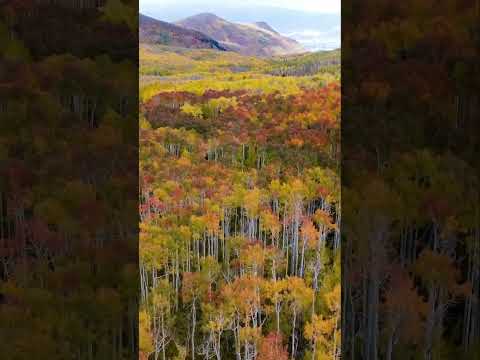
(239, 209)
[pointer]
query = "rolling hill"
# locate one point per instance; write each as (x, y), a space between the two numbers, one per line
(257, 39)
(152, 31)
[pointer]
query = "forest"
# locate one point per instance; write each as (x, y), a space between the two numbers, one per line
(410, 201)
(239, 205)
(235, 190)
(68, 180)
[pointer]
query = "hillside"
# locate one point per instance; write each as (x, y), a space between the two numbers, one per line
(257, 39)
(152, 31)
(165, 68)
(239, 205)
(307, 64)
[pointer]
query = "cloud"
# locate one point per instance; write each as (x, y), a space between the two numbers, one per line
(320, 6)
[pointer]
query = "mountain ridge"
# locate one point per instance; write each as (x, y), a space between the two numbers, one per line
(266, 26)
(256, 39)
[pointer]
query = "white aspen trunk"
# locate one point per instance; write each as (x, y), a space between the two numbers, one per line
(293, 333)
(194, 319)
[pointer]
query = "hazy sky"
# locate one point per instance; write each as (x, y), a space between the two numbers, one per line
(320, 6)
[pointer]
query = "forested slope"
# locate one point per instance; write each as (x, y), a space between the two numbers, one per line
(239, 245)
(307, 64)
(411, 269)
(68, 155)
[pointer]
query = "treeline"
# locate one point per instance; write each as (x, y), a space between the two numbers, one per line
(308, 64)
(240, 216)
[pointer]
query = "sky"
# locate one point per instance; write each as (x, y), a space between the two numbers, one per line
(318, 6)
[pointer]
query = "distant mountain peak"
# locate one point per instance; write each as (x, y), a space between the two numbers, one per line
(202, 20)
(258, 39)
(205, 15)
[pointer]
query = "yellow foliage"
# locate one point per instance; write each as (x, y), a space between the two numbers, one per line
(193, 110)
(145, 335)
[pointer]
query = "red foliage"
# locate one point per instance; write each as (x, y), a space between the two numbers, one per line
(272, 348)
